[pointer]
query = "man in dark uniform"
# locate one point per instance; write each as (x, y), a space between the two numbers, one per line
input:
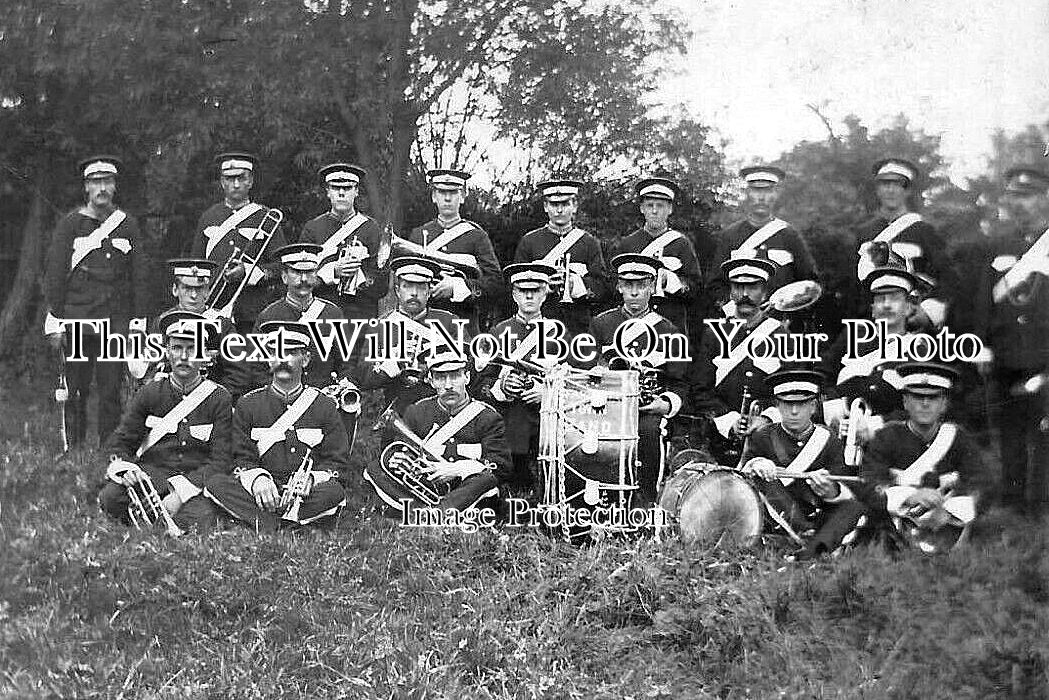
(96, 270)
(175, 432)
(818, 507)
(722, 378)
(1014, 312)
(870, 376)
(580, 284)
(449, 233)
(282, 431)
(761, 229)
(900, 234)
(679, 294)
(299, 263)
(922, 474)
(465, 454)
(398, 369)
(644, 344)
(516, 391)
(192, 279)
(232, 228)
(349, 272)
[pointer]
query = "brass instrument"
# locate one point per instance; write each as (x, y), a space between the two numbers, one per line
(295, 490)
(345, 394)
(462, 264)
(566, 285)
(782, 473)
(749, 411)
(409, 476)
(266, 228)
(146, 507)
(355, 251)
(61, 397)
(859, 414)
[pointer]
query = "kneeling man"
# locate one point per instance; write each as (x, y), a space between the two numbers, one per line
(290, 450)
(174, 433)
(816, 502)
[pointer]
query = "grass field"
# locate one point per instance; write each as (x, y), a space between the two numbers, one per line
(89, 609)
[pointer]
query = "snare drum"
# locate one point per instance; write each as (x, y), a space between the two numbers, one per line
(712, 503)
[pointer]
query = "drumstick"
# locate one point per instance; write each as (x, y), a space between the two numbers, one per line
(787, 474)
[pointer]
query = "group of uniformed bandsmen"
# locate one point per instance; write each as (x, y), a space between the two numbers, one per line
(226, 437)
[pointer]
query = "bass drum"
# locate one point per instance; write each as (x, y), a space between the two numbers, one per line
(713, 505)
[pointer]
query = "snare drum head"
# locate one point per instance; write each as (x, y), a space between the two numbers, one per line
(720, 507)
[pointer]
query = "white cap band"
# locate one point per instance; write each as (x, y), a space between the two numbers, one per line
(100, 167)
(894, 168)
(234, 164)
(658, 191)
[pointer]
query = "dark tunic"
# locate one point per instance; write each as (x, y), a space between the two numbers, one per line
(365, 303)
(787, 249)
(485, 290)
(679, 307)
(319, 372)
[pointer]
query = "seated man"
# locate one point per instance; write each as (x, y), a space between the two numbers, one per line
(818, 502)
(515, 391)
(174, 433)
(458, 454)
(923, 475)
(290, 451)
(663, 376)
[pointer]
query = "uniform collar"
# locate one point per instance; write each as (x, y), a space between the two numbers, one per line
(286, 396)
(448, 413)
(803, 435)
(185, 388)
(626, 313)
(292, 302)
(936, 429)
(560, 232)
(342, 219)
(448, 223)
(525, 322)
(655, 234)
(233, 208)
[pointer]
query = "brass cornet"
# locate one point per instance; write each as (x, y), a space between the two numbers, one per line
(295, 489)
(146, 507)
(566, 286)
(355, 251)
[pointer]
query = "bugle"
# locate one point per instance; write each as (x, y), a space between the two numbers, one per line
(859, 416)
(265, 230)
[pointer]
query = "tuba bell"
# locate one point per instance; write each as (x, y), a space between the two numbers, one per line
(408, 473)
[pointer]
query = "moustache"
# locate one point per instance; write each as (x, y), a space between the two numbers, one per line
(284, 366)
(745, 301)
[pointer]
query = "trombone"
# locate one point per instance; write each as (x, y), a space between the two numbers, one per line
(266, 229)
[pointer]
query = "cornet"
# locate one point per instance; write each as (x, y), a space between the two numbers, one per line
(295, 490)
(566, 285)
(859, 416)
(146, 507)
(355, 251)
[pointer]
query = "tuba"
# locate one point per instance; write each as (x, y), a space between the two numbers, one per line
(265, 231)
(859, 414)
(410, 476)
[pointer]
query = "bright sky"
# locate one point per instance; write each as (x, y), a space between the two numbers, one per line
(956, 68)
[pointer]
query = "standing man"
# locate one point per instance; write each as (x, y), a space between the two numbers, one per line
(761, 229)
(231, 228)
(450, 233)
(895, 232)
(407, 335)
(299, 263)
(580, 284)
(96, 270)
(280, 431)
(349, 273)
(679, 294)
(175, 432)
(643, 344)
(1014, 313)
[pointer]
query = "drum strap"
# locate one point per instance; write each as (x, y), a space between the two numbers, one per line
(434, 443)
(866, 365)
(737, 354)
(778, 517)
(214, 234)
(893, 230)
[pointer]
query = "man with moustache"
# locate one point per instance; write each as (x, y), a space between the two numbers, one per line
(299, 265)
(923, 476)
(465, 454)
(349, 272)
(516, 391)
(450, 233)
(902, 236)
(642, 345)
(1013, 313)
(679, 294)
(174, 433)
(580, 284)
(232, 226)
(192, 278)
(96, 270)
(277, 430)
(405, 336)
(722, 377)
(817, 508)
(761, 229)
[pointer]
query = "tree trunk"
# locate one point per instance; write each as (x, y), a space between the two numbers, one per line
(23, 304)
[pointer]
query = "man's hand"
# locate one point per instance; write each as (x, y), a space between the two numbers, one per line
(822, 486)
(298, 487)
(658, 406)
(347, 267)
(922, 501)
(265, 492)
(761, 467)
(758, 422)
(56, 340)
(235, 273)
(512, 385)
(443, 289)
(533, 394)
(442, 472)
(918, 320)
(171, 502)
